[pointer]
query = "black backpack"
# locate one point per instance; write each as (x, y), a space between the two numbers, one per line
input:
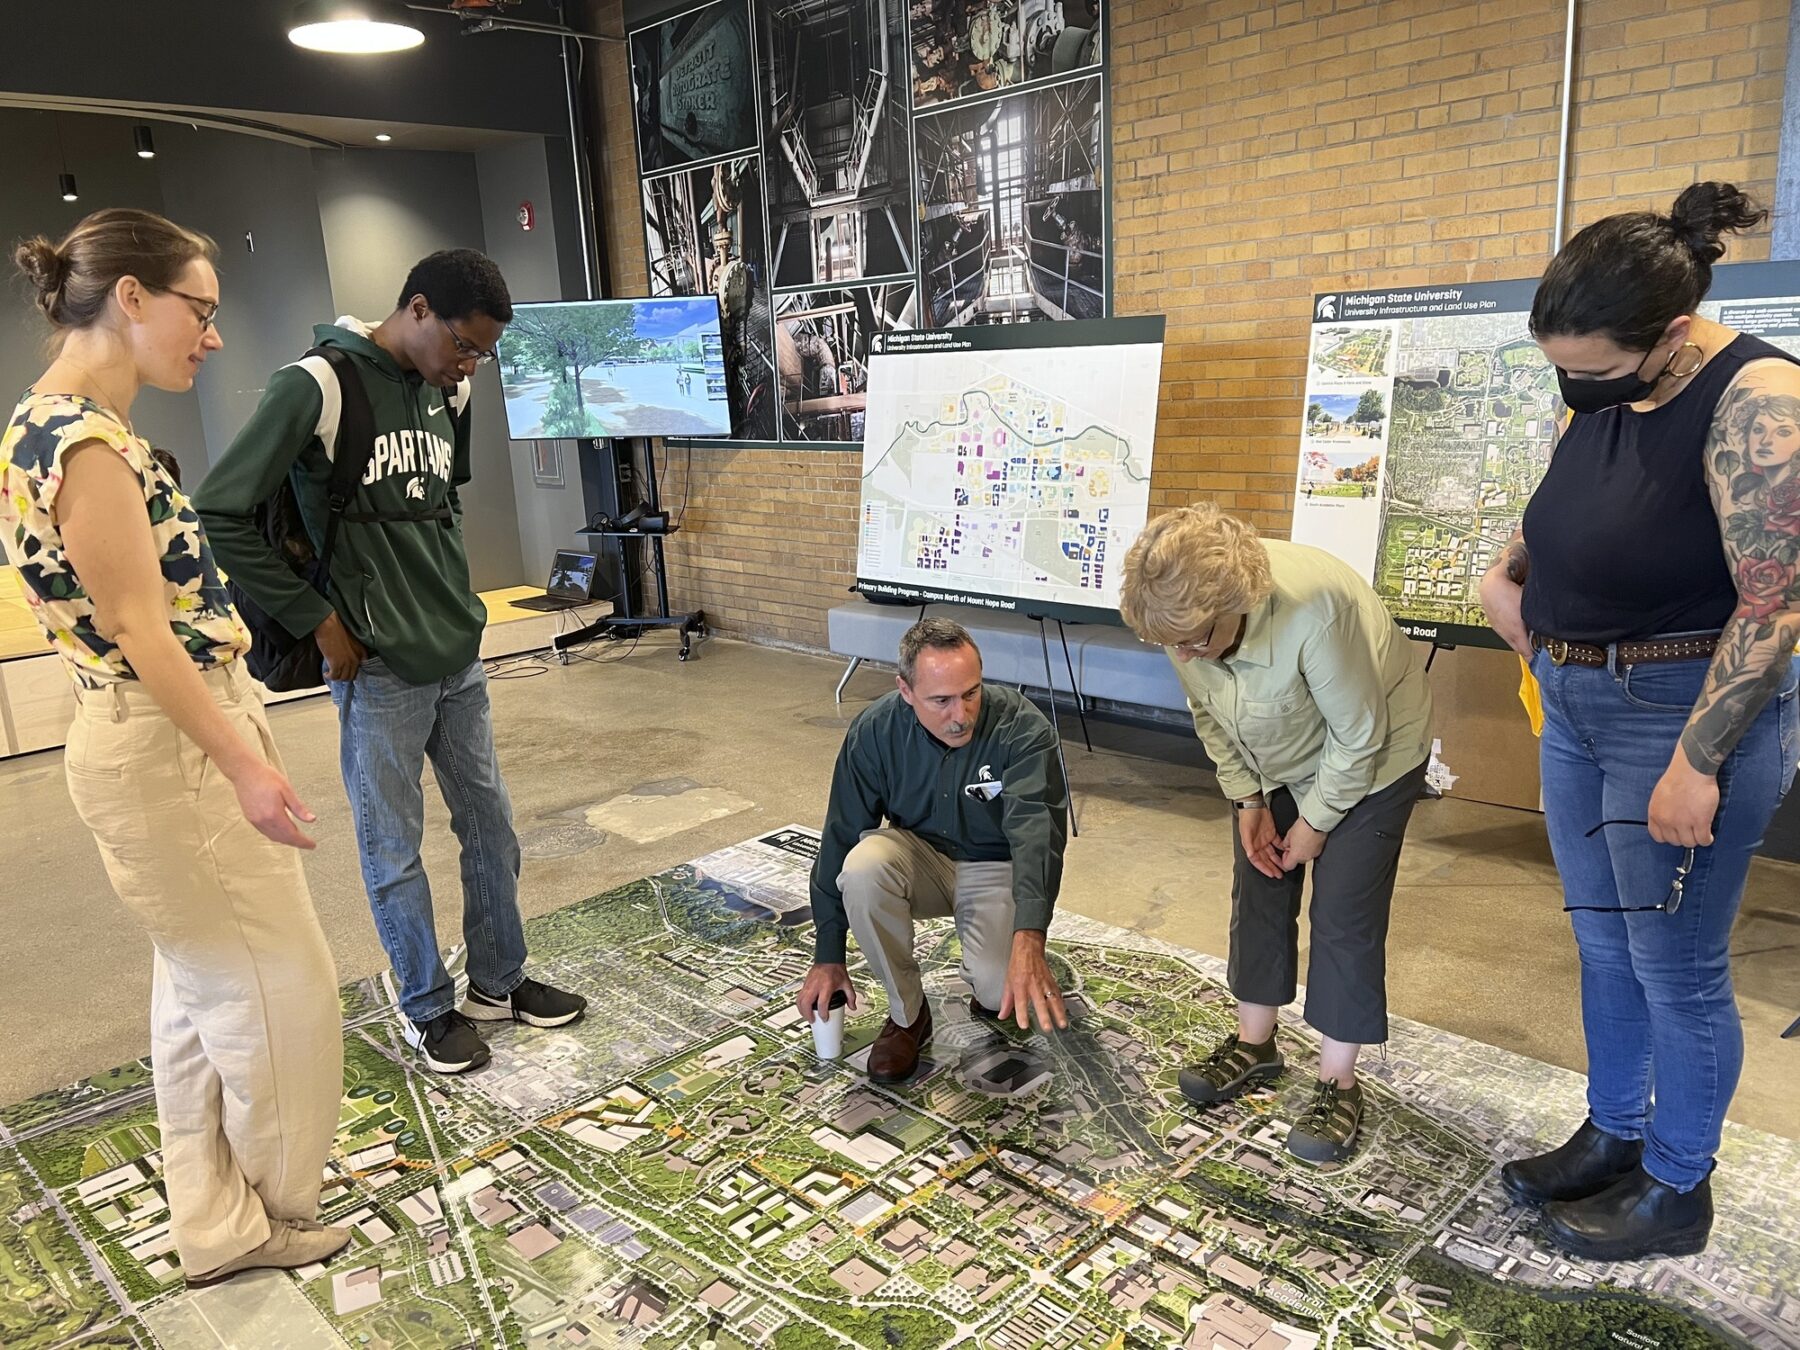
(284, 661)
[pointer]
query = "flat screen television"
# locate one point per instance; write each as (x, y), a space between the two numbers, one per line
(571, 368)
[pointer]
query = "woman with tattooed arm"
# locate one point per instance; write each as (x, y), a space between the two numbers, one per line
(1655, 591)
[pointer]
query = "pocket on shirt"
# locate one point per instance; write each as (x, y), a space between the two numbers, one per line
(1290, 703)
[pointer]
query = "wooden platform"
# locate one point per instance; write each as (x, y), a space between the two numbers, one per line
(37, 701)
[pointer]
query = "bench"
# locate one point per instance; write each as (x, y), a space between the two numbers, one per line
(1110, 663)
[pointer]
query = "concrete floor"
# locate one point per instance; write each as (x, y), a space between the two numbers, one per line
(1479, 945)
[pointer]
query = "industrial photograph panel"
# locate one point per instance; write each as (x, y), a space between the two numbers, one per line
(1013, 218)
(835, 138)
(822, 344)
(693, 86)
(956, 145)
(703, 232)
(963, 48)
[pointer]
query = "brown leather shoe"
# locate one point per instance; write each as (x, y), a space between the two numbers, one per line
(895, 1055)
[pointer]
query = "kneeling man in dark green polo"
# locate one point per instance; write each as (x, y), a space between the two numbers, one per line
(966, 777)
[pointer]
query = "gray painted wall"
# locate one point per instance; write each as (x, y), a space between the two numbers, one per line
(108, 174)
(334, 233)
(531, 261)
(229, 186)
(381, 211)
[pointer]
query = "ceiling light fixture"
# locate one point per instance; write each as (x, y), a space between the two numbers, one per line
(65, 181)
(140, 138)
(383, 137)
(353, 27)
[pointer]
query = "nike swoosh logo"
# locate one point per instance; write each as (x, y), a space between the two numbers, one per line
(433, 412)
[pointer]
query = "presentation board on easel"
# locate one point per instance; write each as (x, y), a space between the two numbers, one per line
(1008, 465)
(1429, 420)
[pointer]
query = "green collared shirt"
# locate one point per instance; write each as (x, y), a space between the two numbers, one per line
(1324, 695)
(1000, 798)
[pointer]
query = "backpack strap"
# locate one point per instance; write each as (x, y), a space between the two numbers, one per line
(350, 456)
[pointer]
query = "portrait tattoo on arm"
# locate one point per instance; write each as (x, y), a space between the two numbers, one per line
(1753, 473)
(1516, 559)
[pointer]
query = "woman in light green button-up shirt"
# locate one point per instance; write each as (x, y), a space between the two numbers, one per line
(1314, 708)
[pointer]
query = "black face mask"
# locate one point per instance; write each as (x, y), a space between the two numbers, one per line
(1592, 396)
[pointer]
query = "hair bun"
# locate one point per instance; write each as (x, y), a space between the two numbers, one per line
(1706, 211)
(45, 266)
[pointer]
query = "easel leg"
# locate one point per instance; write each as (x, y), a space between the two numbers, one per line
(1061, 758)
(1074, 687)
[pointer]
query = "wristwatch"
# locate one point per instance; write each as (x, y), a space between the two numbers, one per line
(1250, 804)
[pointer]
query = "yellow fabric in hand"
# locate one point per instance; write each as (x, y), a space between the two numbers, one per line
(1532, 697)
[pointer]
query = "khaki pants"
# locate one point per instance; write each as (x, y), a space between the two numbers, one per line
(893, 877)
(245, 1034)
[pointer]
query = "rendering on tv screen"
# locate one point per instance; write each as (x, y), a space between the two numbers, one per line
(615, 368)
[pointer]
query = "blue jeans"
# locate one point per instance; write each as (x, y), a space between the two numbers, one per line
(387, 730)
(1664, 1040)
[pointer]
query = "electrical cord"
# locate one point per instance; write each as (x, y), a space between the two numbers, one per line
(528, 665)
(687, 482)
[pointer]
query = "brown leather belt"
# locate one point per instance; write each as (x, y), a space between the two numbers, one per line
(1688, 647)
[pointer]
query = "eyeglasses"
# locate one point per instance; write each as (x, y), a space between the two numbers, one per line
(1197, 648)
(465, 350)
(1670, 904)
(208, 311)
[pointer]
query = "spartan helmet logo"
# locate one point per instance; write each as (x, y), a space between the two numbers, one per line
(1326, 308)
(415, 489)
(986, 775)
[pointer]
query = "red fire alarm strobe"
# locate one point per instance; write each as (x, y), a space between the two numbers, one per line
(527, 216)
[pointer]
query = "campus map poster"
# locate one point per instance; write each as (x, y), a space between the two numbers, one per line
(1430, 417)
(1009, 466)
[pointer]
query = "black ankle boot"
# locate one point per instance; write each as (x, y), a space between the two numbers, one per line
(1589, 1162)
(1637, 1216)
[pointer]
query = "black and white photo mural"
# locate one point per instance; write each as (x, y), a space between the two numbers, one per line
(836, 169)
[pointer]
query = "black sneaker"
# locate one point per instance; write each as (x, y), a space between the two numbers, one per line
(535, 1004)
(1327, 1132)
(449, 1042)
(1231, 1068)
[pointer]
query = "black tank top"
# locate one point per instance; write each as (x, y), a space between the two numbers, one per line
(1623, 537)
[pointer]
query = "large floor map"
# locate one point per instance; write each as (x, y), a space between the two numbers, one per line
(679, 1170)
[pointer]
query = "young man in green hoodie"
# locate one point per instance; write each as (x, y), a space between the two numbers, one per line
(401, 633)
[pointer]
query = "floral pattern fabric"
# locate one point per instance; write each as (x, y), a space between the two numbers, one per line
(43, 429)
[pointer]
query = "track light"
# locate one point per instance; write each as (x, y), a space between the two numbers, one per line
(65, 183)
(140, 138)
(353, 27)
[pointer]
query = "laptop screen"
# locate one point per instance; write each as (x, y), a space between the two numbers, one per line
(571, 575)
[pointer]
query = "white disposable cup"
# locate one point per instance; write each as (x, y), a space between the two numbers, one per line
(828, 1033)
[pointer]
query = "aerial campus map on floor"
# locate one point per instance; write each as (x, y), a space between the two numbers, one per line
(680, 1170)
(1008, 465)
(1430, 419)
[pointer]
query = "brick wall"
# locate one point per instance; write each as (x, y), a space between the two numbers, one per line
(1263, 152)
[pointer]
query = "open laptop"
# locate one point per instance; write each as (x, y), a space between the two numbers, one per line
(571, 583)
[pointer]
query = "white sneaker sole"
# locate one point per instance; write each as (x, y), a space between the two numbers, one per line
(504, 1012)
(416, 1039)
